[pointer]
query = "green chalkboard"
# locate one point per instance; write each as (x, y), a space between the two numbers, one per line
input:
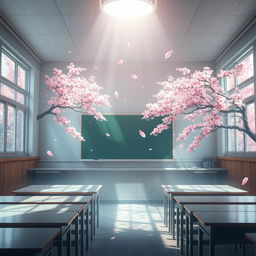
(119, 138)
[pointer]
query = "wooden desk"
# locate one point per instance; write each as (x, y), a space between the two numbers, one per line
(190, 219)
(220, 226)
(179, 201)
(173, 190)
(62, 221)
(53, 200)
(27, 241)
(82, 190)
(81, 209)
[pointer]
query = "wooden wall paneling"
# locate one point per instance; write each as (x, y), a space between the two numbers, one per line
(13, 173)
(238, 168)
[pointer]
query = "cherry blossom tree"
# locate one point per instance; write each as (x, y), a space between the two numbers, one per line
(72, 91)
(200, 98)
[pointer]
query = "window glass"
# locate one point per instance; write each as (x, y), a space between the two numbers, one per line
(8, 67)
(20, 97)
(1, 127)
(251, 144)
(21, 78)
(10, 129)
(240, 135)
(231, 133)
(230, 83)
(247, 91)
(7, 91)
(20, 131)
(247, 69)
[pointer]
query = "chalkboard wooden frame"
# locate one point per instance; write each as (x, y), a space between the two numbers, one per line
(96, 133)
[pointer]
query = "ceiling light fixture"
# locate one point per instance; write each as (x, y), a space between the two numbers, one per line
(128, 8)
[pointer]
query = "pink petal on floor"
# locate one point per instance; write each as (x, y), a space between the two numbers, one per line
(112, 238)
(133, 76)
(49, 153)
(142, 134)
(150, 149)
(116, 94)
(168, 54)
(129, 45)
(120, 62)
(107, 134)
(245, 180)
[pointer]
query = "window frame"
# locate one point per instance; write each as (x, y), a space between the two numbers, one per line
(249, 100)
(19, 61)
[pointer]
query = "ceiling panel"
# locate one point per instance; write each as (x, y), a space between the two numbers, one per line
(59, 30)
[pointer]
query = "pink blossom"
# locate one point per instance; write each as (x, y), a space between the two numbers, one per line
(244, 181)
(120, 62)
(168, 54)
(49, 153)
(133, 76)
(142, 134)
(116, 94)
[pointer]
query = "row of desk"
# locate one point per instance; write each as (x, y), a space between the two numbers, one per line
(49, 220)
(223, 214)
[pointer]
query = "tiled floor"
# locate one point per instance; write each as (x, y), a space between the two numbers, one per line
(138, 230)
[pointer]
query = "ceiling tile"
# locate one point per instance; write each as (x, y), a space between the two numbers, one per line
(14, 7)
(207, 24)
(216, 7)
(49, 25)
(40, 7)
(245, 7)
(233, 24)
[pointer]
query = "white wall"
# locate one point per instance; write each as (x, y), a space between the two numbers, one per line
(134, 94)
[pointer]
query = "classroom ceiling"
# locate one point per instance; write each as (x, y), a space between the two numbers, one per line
(75, 30)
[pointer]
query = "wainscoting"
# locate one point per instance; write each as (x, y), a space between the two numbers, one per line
(13, 173)
(238, 168)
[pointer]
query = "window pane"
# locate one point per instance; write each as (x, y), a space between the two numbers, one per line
(20, 98)
(251, 145)
(247, 71)
(8, 67)
(231, 134)
(10, 129)
(239, 135)
(230, 83)
(7, 91)
(21, 77)
(247, 91)
(20, 131)
(1, 127)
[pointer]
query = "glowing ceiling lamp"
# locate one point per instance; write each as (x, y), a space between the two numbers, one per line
(128, 8)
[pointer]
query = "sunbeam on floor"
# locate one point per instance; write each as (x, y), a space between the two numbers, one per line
(131, 230)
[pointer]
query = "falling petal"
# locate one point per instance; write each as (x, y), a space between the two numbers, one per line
(142, 134)
(55, 140)
(49, 153)
(245, 180)
(120, 62)
(107, 134)
(116, 94)
(150, 149)
(133, 76)
(168, 54)
(129, 45)
(112, 238)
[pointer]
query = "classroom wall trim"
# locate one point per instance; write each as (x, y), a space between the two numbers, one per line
(237, 169)
(13, 173)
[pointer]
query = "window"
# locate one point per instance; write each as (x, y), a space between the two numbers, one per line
(13, 99)
(238, 141)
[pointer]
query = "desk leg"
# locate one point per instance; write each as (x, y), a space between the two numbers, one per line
(200, 237)
(92, 218)
(82, 232)
(87, 228)
(178, 226)
(77, 236)
(171, 216)
(69, 242)
(164, 205)
(98, 209)
(181, 229)
(187, 235)
(191, 230)
(211, 242)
